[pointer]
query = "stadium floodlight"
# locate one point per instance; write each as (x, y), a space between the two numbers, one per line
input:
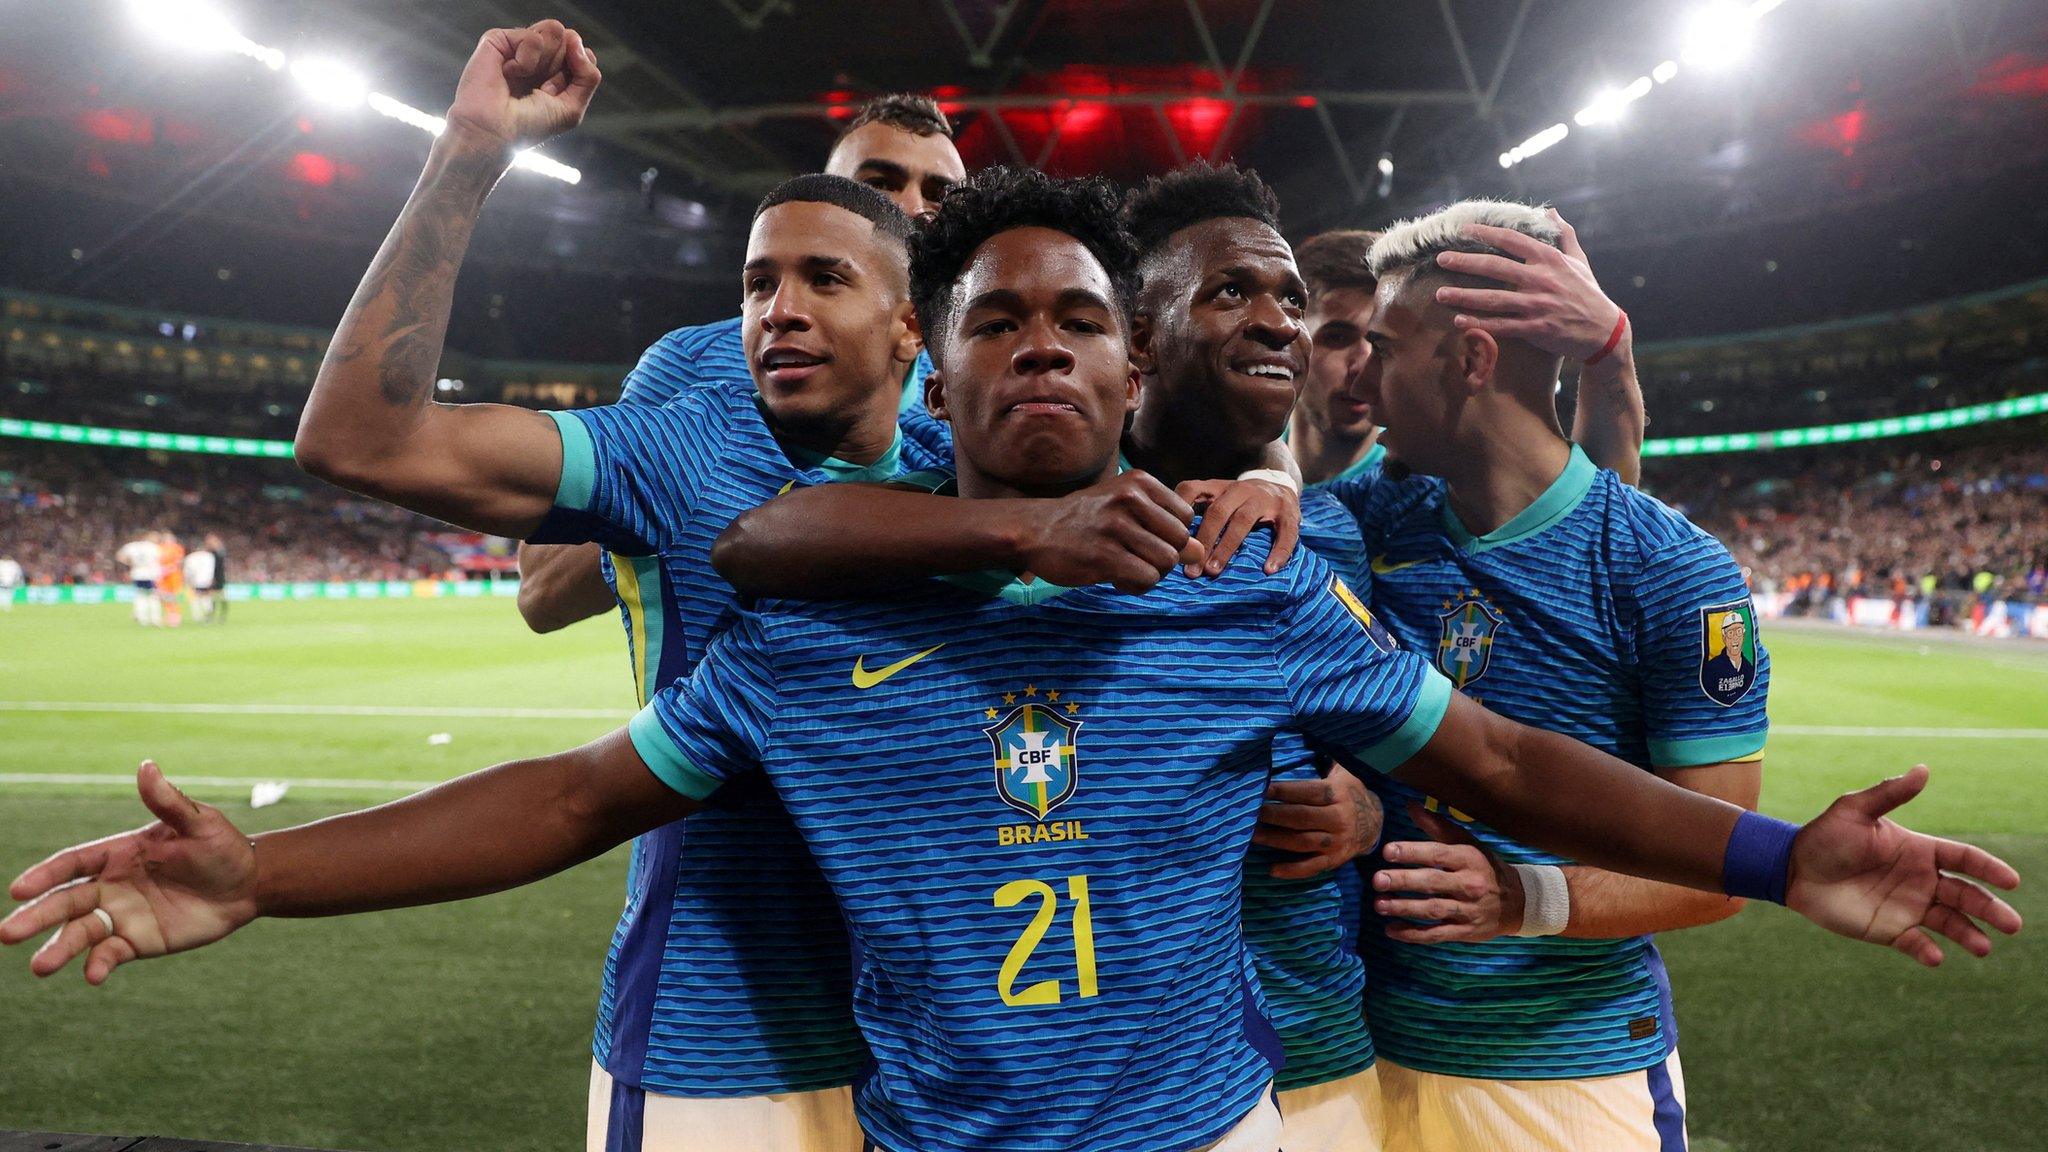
(200, 25)
(1663, 73)
(1719, 35)
(535, 162)
(405, 113)
(1533, 145)
(1607, 107)
(331, 82)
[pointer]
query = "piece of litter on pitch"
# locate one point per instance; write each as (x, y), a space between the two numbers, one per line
(267, 792)
(441, 738)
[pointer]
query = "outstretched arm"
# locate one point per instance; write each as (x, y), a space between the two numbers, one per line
(845, 539)
(370, 425)
(1850, 870)
(1470, 895)
(1550, 299)
(561, 584)
(192, 878)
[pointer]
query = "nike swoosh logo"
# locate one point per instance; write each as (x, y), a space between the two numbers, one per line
(1380, 567)
(864, 679)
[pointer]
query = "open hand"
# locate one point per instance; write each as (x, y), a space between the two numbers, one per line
(1548, 297)
(1858, 874)
(1464, 891)
(180, 883)
(1231, 509)
(1327, 823)
(523, 86)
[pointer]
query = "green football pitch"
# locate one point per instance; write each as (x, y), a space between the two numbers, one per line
(467, 1026)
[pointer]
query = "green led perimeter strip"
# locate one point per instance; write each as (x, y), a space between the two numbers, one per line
(1674, 446)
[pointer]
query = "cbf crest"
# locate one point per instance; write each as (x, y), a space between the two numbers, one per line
(1036, 761)
(1728, 651)
(1464, 647)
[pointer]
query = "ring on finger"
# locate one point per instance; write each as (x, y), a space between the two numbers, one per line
(106, 918)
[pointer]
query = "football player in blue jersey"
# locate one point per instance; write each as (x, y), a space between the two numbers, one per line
(900, 145)
(1516, 999)
(756, 1048)
(1110, 1008)
(1331, 431)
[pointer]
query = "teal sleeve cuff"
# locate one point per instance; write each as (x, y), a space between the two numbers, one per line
(665, 760)
(579, 463)
(1706, 749)
(1431, 702)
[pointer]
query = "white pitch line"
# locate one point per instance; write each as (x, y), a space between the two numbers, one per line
(1913, 733)
(212, 781)
(424, 713)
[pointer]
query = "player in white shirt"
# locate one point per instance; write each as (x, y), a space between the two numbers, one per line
(202, 570)
(144, 559)
(10, 579)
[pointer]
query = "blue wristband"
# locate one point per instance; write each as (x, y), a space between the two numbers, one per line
(1759, 858)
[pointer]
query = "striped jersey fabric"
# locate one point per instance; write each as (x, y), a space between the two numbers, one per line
(1033, 804)
(728, 974)
(1585, 615)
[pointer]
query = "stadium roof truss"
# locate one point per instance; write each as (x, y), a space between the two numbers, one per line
(684, 124)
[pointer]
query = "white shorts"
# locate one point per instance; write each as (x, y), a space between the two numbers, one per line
(1258, 1131)
(1344, 1115)
(1633, 1112)
(623, 1119)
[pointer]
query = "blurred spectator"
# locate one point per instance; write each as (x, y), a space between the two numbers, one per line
(64, 511)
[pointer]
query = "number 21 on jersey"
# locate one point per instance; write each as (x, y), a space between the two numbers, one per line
(1046, 991)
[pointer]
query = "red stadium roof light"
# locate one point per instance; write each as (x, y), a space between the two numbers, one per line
(312, 168)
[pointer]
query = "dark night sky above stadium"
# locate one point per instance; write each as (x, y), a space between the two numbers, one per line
(1870, 143)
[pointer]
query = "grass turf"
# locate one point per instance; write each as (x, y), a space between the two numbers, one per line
(467, 1025)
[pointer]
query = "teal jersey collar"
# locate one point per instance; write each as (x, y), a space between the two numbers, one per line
(1556, 503)
(1373, 458)
(884, 468)
(1007, 587)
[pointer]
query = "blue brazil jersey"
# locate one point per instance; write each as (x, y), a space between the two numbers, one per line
(1601, 614)
(1034, 804)
(728, 974)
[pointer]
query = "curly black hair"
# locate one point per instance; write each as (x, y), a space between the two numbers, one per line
(1333, 260)
(995, 200)
(1193, 193)
(838, 191)
(904, 111)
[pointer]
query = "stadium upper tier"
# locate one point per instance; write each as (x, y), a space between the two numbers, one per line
(86, 362)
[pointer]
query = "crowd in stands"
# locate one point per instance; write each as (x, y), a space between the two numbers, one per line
(1899, 519)
(65, 510)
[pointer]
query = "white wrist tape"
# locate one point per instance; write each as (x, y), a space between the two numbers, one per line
(1546, 900)
(1273, 476)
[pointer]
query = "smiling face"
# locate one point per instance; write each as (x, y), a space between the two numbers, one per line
(910, 169)
(1034, 370)
(1221, 326)
(825, 313)
(1337, 320)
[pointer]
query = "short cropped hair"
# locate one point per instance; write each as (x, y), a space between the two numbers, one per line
(1193, 193)
(996, 200)
(1416, 243)
(905, 111)
(1336, 260)
(838, 191)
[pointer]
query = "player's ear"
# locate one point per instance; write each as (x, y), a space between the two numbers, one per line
(935, 395)
(1134, 388)
(1142, 360)
(1475, 356)
(909, 337)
